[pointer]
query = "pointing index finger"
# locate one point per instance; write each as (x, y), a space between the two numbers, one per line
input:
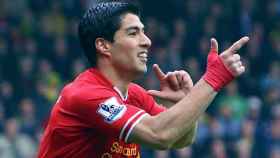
(237, 45)
(160, 75)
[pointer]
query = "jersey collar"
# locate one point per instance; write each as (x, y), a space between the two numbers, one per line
(105, 82)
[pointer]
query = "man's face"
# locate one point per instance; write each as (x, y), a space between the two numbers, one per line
(130, 47)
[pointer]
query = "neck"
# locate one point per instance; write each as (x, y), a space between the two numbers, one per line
(119, 79)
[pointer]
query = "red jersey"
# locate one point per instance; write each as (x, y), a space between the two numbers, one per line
(91, 119)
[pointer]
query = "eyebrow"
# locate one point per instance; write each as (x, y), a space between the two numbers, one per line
(134, 28)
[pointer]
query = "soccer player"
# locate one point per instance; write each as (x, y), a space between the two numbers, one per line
(102, 114)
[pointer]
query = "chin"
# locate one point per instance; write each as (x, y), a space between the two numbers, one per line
(144, 69)
(141, 71)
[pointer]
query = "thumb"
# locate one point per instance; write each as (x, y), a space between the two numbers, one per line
(214, 45)
(156, 93)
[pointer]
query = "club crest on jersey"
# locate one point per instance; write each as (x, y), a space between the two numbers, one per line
(111, 110)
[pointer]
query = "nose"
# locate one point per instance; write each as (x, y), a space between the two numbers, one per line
(145, 41)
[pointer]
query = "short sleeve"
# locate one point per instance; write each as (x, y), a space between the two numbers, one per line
(109, 115)
(153, 107)
(142, 98)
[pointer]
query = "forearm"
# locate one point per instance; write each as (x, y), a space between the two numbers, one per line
(165, 129)
(173, 123)
(187, 139)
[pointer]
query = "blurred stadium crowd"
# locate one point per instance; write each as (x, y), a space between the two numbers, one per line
(40, 52)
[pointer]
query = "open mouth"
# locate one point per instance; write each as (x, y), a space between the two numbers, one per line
(143, 56)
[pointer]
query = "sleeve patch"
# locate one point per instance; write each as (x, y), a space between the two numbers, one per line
(111, 110)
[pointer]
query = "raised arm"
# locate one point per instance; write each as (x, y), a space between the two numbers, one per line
(165, 129)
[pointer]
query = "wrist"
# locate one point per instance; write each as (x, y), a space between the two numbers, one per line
(217, 75)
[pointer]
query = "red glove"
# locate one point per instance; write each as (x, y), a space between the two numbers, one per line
(217, 75)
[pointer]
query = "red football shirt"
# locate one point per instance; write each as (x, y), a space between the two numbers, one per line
(91, 119)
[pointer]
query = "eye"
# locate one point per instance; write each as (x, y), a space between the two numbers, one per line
(133, 33)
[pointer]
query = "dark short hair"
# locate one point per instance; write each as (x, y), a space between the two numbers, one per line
(102, 21)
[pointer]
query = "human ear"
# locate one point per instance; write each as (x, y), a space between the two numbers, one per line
(103, 46)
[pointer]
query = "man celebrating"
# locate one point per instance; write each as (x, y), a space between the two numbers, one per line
(102, 114)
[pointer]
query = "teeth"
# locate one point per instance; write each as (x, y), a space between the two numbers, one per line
(143, 55)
